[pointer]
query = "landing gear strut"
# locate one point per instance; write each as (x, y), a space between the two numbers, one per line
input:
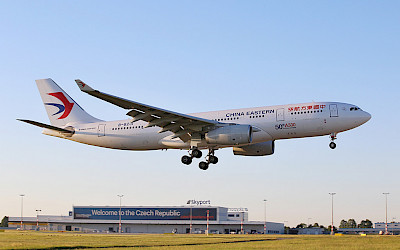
(332, 145)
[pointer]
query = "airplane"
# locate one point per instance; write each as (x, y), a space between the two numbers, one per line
(249, 131)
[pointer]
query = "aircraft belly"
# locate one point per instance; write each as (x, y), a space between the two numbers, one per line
(120, 141)
(145, 141)
(175, 143)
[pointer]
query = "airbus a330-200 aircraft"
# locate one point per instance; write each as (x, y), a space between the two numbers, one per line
(249, 131)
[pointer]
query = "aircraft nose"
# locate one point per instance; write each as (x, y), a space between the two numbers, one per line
(365, 117)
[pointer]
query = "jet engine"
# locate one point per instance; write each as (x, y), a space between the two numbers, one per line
(258, 149)
(230, 135)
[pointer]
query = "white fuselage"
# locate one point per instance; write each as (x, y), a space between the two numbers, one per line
(273, 123)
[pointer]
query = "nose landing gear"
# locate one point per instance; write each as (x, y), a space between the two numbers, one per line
(332, 145)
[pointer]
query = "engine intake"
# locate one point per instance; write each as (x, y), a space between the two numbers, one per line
(258, 149)
(230, 135)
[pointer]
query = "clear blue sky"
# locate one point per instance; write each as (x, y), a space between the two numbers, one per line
(191, 56)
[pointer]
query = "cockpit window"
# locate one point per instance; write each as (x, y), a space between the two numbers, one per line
(354, 108)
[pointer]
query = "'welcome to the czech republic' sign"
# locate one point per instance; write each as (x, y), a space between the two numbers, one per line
(135, 213)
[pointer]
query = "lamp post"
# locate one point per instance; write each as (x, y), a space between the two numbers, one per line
(191, 225)
(37, 219)
(265, 216)
(208, 220)
(386, 226)
(241, 224)
(120, 201)
(332, 194)
(22, 209)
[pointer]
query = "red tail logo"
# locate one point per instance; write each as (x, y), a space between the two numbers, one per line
(67, 105)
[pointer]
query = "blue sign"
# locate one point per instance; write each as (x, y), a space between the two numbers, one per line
(138, 213)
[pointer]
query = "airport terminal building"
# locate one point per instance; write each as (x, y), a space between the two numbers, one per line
(154, 219)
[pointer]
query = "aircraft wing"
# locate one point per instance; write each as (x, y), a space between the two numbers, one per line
(180, 124)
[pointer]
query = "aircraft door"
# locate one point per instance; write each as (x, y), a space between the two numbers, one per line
(280, 115)
(333, 110)
(101, 130)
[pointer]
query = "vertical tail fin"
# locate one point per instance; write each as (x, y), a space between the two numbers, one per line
(60, 107)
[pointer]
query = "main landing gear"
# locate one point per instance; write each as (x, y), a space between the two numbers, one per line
(195, 153)
(332, 145)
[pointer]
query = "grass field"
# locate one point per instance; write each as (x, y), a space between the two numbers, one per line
(49, 240)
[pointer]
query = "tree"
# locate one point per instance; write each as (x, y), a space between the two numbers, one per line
(301, 225)
(334, 228)
(343, 224)
(351, 223)
(365, 224)
(316, 224)
(287, 230)
(4, 222)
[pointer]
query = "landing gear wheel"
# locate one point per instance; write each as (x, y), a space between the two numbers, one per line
(332, 145)
(196, 153)
(213, 159)
(203, 165)
(186, 159)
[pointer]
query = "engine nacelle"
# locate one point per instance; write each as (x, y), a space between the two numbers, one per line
(230, 135)
(258, 149)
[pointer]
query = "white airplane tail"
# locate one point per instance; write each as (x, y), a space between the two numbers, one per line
(60, 107)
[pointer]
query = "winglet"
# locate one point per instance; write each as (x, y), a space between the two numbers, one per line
(83, 86)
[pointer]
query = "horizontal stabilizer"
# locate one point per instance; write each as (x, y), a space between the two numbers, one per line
(42, 125)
